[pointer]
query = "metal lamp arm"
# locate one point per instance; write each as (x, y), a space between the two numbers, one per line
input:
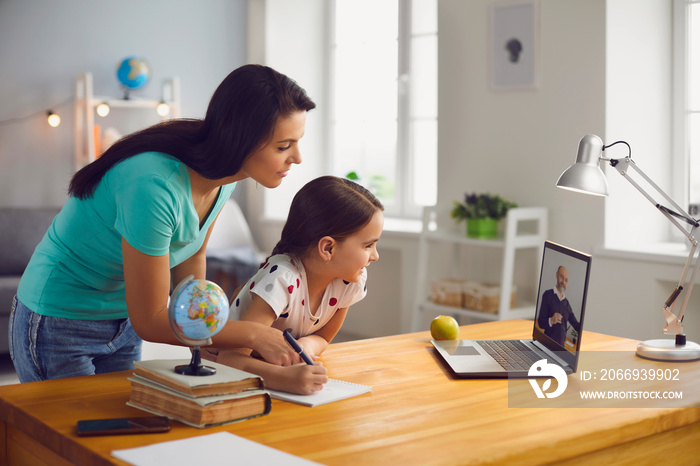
(673, 322)
(622, 165)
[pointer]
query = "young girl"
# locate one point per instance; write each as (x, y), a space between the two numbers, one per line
(316, 271)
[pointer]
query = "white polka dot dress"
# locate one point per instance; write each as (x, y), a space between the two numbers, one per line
(281, 282)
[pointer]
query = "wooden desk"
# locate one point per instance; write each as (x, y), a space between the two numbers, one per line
(415, 414)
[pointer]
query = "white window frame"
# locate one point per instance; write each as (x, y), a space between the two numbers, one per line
(682, 111)
(404, 205)
(680, 149)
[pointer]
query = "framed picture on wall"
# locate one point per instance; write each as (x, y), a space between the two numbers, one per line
(514, 45)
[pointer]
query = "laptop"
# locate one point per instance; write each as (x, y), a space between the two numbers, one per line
(556, 330)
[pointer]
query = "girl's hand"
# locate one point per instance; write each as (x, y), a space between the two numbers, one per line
(310, 347)
(315, 344)
(302, 379)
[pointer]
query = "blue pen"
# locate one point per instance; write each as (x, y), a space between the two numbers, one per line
(293, 343)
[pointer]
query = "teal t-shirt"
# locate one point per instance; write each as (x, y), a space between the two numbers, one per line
(77, 270)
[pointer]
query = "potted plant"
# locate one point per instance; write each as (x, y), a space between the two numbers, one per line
(482, 213)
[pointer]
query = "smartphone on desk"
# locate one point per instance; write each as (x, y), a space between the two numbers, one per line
(126, 425)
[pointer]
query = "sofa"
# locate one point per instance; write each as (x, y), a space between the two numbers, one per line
(21, 229)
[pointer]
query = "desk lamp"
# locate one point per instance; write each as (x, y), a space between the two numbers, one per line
(586, 176)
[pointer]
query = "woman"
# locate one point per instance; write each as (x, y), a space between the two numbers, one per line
(138, 219)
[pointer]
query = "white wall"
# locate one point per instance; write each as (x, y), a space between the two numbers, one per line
(45, 44)
(638, 110)
(516, 143)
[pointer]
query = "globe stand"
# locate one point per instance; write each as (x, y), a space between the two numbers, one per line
(195, 367)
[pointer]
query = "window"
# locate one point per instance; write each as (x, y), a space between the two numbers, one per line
(383, 118)
(687, 102)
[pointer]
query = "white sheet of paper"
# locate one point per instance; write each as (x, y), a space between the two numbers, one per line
(221, 448)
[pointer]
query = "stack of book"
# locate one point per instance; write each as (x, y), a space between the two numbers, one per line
(229, 395)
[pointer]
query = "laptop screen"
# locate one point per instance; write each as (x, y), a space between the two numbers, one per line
(561, 300)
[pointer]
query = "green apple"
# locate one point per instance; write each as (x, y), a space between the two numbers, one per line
(444, 328)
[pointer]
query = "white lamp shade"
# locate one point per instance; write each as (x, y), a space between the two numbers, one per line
(585, 175)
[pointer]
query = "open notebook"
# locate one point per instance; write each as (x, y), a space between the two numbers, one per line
(334, 390)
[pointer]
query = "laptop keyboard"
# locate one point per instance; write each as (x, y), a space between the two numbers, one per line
(510, 354)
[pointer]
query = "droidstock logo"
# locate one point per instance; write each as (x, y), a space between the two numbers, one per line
(543, 369)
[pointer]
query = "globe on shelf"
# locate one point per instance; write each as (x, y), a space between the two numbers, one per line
(133, 73)
(198, 310)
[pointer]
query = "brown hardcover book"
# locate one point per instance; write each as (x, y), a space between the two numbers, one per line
(200, 411)
(227, 379)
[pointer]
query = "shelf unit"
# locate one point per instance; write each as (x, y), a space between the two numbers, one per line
(86, 103)
(525, 228)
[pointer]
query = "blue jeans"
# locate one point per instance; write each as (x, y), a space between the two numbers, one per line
(43, 347)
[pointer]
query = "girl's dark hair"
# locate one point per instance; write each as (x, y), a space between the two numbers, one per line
(240, 119)
(326, 206)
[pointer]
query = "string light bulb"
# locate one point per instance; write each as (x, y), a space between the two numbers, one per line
(53, 119)
(163, 109)
(102, 109)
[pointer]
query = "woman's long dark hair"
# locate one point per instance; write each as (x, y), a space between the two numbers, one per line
(325, 206)
(240, 119)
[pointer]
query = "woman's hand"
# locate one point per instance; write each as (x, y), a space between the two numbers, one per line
(270, 344)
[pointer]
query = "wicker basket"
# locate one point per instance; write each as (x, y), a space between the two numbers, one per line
(446, 292)
(484, 297)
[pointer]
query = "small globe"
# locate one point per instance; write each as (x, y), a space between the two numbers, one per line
(133, 73)
(198, 310)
